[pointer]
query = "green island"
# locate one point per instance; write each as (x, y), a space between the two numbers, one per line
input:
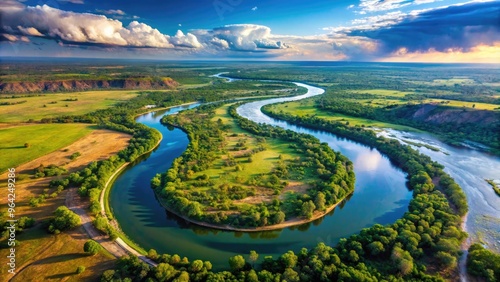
(239, 175)
(494, 186)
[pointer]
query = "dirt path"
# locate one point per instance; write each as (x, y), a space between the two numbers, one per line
(117, 248)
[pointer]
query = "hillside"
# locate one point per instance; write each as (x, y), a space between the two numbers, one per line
(87, 84)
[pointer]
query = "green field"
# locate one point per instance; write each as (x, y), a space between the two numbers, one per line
(306, 107)
(262, 162)
(52, 105)
(42, 139)
(392, 97)
(382, 92)
(460, 104)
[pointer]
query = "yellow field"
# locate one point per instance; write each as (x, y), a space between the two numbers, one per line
(52, 105)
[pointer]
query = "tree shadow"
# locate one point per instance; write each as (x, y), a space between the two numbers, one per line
(61, 258)
(12, 147)
(61, 275)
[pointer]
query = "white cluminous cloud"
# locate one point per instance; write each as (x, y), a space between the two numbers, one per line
(73, 28)
(86, 28)
(254, 8)
(386, 5)
(240, 37)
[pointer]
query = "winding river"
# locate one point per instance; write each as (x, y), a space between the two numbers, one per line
(380, 196)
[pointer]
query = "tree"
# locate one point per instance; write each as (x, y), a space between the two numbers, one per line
(289, 259)
(165, 272)
(279, 217)
(64, 219)
(290, 275)
(80, 269)
(252, 276)
(183, 277)
(308, 209)
(152, 254)
(236, 263)
(196, 266)
(447, 260)
(375, 248)
(254, 256)
(320, 201)
(91, 247)
(26, 145)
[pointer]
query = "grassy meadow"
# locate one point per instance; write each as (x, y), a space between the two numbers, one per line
(306, 107)
(41, 106)
(262, 162)
(41, 139)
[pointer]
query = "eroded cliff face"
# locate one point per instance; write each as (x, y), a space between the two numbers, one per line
(431, 113)
(90, 84)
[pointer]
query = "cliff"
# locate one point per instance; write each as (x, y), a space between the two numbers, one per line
(87, 84)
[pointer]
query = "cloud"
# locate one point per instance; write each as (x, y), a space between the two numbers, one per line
(240, 37)
(385, 5)
(351, 6)
(73, 1)
(111, 12)
(85, 28)
(13, 38)
(382, 5)
(254, 8)
(457, 27)
(31, 31)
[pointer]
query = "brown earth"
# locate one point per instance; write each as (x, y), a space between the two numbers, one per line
(81, 85)
(99, 145)
(433, 113)
(56, 256)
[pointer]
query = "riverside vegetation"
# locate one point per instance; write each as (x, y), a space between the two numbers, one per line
(239, 174)
(423, 245)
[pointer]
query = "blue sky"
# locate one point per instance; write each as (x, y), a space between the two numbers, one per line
(362, 30)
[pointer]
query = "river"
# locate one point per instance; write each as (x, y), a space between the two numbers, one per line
(380, 196)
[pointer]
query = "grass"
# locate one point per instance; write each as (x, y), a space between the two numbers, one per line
(382, 92)
(306, 107)
(41, 256)
(45, 257)
(461, 104)
(52, 105)
(262, 162)
(42, 139)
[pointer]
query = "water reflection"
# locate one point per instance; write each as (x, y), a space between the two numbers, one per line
(380, 197)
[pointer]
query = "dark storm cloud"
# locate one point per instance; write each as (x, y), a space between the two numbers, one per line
(459, 27)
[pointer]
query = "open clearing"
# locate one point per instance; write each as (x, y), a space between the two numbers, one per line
(56, 257)
(41, 106)
(41, 138)
(262, 162)
(382, 92)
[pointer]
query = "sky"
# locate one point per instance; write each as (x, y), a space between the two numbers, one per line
(298, 30)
